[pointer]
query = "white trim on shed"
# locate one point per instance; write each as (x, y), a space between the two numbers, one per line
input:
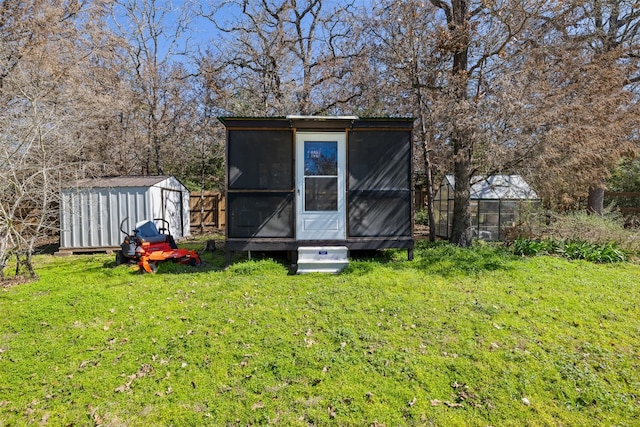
(91, 209)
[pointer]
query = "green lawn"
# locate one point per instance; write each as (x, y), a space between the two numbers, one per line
(456, 337)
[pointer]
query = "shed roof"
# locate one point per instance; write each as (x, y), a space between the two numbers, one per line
(120, 181)
(318, 122)
(498, 187)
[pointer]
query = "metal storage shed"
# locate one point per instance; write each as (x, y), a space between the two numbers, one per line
(497, 201)
(91, 209)
(301, 182)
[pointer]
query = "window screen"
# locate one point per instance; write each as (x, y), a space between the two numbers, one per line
(260, 160)
(260, 215)
(379, 195)
(379, 214)
(379, 160)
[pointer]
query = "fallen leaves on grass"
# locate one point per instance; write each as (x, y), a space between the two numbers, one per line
(123, 388)
(164, 393)
(8, 282)
(332, 413)
(463, 395)
(143, 371)
(453, 404)
(45, 419)
(95, 417)
(436, 402)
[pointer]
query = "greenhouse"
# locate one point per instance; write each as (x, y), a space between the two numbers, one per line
(497, 203)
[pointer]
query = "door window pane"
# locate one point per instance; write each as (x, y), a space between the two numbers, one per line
(320, 158)
(320, 194)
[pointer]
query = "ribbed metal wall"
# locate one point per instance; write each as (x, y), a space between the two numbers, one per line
(90, 218)
(91, 211)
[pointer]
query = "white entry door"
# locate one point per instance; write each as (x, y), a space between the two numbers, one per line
(320, 186)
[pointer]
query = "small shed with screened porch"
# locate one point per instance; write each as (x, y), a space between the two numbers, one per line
(318, 183)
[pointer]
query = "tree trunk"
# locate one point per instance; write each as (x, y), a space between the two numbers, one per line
(426, 157)
(4, 250)
(202, 179)
(429, 185)
(29, 264)
(595, 203)
(461, 232)
(432, 220)
(157, 149)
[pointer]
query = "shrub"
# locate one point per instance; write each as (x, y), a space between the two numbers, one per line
(422, 217)
(573, 249)
(609, 252)
(532, 247)
(606, 232)
(578, 250)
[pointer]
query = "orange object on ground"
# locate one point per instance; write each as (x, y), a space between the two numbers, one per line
(148, 246)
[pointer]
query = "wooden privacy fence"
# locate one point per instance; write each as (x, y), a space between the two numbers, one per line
(419, 198)
(207, 211)
(626, 202)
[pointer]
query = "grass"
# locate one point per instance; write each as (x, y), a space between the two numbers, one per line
(454, 338)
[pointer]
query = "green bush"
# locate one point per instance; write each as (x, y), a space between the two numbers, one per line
(422, 217)
(609, 252)
(590, 236)
(571, 249)
(532, 247)
(578, 250)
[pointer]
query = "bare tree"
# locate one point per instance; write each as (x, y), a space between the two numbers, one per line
(157, 34)
(479, 36)
(45, 63)
(284, 57)
(404, 40)
(454, 53)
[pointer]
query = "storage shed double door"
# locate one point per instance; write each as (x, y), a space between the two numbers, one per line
(320, 186)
